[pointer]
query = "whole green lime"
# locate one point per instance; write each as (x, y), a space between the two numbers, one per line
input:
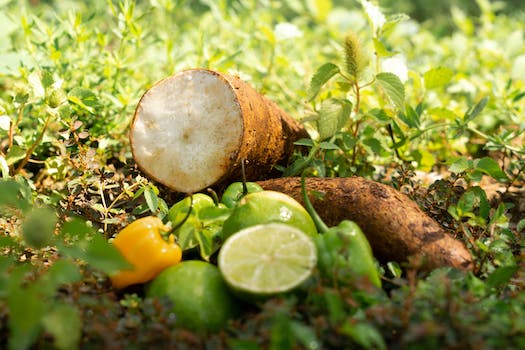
(267, 207)
(201, 299)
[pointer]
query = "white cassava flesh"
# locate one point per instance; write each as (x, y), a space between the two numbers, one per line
(185, 129)
(193, 129)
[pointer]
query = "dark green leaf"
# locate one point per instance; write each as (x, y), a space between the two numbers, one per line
(63, 272)
(38, 227)
(64, 323)
(501, 276)
(12, 195)
(26, 309)
(104, 256)
(410, 117)
(281, 337)
(521, 225)
(74, 229)
(364, 334)
(476, 110)
(306, 336)
(393, 87)
(321, 77)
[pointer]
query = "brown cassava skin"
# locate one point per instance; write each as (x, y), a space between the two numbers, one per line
(394, 225)
(268, 136)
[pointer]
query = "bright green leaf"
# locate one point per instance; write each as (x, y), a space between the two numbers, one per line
(460, 165)
(490, 167)
(152, 199)
(321, 77)
(333, 115)
(380, 49)
(393, 87)
(437, 77)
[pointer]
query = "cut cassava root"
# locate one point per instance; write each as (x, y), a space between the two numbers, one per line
(394, 225)
(193, 130)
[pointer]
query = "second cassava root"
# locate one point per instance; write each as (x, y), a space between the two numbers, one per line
(395, 226)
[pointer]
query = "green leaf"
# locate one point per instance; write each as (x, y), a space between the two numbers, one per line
(333, 115)
(437, 77)
(26, 309)
(380, 49)
(364, 334)
(460, 165)
(64, 323)
(304, 142)
(474, 111)
(393, 87)
(306, 336)
(281, 337)
(490, 167)
(208, 239)
(152, 200)
(328, 145)
(4, 167)
(321, 77)
(63, 272)
(501, 276)
(410, 117)
(38, 227)
(84, 98)
(12, 195)
(75, 228)
(393, 20)
(14, 154)
(521, 225)
(102, 255)
(474, 198)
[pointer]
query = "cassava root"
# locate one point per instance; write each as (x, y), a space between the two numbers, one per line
(395, 226)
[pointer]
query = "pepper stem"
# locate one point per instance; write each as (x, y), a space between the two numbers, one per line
(319, 223)
(244, 186)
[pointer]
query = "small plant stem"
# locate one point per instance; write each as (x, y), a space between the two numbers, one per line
(12, 126)
(106, 210)
(358, 121)
(35, 144)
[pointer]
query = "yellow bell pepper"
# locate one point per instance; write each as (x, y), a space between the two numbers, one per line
(143, 246)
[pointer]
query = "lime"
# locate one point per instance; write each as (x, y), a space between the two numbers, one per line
(201, 299)
(235, 191)
(268, 259)
(266, 207)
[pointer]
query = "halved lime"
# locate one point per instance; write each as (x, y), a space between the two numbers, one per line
(267, 259)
